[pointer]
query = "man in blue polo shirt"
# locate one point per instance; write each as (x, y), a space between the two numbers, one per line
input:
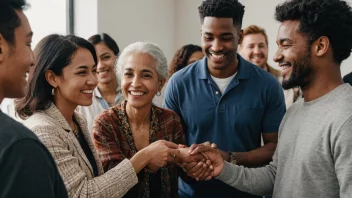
(226, 100)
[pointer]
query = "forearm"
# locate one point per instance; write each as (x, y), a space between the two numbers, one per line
(257, 181)
(140, 160)
(258, 157)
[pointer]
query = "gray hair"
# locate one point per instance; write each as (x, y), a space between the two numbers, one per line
(146, 48)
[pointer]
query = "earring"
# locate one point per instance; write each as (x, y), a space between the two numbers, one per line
(158, 93)
(53, 91)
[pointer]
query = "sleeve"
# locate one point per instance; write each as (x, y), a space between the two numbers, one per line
(275, 108)
(341, 150)
(29, 171)
(114, 183)
(106, 143)
(179, 137)
(257, 181)
(171, 99)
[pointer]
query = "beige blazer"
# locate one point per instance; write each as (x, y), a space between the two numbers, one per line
(76, 171)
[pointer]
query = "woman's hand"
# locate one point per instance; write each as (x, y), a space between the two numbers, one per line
(161, 152)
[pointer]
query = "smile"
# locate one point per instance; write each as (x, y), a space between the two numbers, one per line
(87, 91)
(102, 72)
(217, 57)
(136, 93)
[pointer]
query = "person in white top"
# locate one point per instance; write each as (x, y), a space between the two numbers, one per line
(108, 92)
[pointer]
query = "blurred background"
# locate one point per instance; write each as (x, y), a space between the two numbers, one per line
(168, 23)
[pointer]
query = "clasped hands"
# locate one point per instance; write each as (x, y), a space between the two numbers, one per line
(200, 161)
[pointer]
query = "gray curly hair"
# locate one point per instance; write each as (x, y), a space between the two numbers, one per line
(147, 48)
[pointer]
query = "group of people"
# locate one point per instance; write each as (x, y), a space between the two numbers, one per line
(93, 125)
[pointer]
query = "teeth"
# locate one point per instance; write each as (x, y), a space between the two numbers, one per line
(87, 91)
(136, 93)
(217, 56)
(285, 67)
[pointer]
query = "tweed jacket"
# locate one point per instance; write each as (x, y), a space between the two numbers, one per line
(76, 171)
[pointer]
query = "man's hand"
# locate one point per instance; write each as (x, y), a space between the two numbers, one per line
(197, 166)
(211, 152)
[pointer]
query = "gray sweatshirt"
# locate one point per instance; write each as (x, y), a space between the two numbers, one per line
(313, 157)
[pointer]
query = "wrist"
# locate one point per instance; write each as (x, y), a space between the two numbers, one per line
(145, 152)
(232, 157)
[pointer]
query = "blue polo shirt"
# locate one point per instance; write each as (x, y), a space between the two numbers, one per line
(253, 103)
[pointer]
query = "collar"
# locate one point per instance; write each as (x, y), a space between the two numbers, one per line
(54, 113)
(242, 73)
(98, 94)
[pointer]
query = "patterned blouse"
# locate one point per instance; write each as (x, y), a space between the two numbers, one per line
(114, 142)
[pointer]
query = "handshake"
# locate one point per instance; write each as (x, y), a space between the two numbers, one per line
(200, 161)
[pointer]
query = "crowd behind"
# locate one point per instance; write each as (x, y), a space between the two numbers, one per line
(219, 121)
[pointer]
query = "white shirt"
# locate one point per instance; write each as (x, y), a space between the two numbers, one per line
(98, 106)
(222, 83)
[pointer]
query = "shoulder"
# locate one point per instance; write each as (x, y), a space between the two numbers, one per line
(111, 113)
(166, 115)
(12, 131)
(110, 119)
(162, 112)
(42, 124)
(186, 73)
(261, 76)
(340, 104)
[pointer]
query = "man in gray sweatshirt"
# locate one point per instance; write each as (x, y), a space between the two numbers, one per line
(313, 157)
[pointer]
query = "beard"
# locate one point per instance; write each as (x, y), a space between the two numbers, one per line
(300, 73)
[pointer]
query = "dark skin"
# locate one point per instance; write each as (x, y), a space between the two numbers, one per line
(257, 157)
(325, 77)
(220, 39)
(326, 74)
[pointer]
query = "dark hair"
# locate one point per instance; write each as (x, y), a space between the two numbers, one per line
(222, 9)
(181, 57)
(9, 19)
(348, 78)
(330, 18)
(53, 52)
(95, 39)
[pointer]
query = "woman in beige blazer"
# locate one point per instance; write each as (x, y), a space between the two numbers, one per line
(63, 78)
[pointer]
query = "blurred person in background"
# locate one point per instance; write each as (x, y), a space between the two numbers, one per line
(108, 92)
(254, 48)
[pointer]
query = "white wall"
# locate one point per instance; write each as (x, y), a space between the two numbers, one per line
(85, 17)
(46, 17)
(187, 23)
(257, 12)
(262, 13)
(168, 23)
(128, 21)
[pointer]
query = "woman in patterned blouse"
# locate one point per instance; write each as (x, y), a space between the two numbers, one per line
(63, 78)
(121, 131)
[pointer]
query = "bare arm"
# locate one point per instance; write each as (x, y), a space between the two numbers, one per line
(257, 157)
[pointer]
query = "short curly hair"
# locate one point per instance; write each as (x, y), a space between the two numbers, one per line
(330, 18)
(181, 57)
(222, 9)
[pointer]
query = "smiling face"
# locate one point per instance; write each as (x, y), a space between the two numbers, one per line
(140, 81)
(16, 59)
(293, 56)
(78, 79)
(106, 63)
(254, 49)
(220, 39)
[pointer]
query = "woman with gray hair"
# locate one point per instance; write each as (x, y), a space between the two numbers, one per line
(121, 131)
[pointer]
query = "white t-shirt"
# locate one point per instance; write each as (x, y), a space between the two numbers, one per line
(222, 83)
